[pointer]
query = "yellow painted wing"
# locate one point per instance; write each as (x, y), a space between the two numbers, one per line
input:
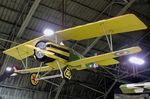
(49, 67)
(114, 25)
(34, 70)
(107, 62)
(105, 57)
(120, 24)
(22, 51)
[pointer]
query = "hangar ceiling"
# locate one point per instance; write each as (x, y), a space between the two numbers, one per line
(22, 20)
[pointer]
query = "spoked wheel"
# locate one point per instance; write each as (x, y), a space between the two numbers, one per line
(33, 80)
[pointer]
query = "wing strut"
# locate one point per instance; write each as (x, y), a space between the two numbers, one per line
(108, 36)
(52, 76)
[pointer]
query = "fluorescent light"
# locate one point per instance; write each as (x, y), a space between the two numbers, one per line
(8, 69)
(136, 60)
(48, 32)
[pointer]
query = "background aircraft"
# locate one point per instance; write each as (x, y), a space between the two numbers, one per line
(135, 88)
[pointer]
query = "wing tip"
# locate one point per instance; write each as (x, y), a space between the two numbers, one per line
(139, 49)
(143, 26)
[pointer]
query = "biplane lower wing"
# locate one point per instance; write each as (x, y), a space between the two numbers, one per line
(49, 67)
(107, 62)
(34, 70)
(120, 24)
(105, 59)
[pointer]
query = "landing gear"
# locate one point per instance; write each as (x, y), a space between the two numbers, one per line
(33, 80)
(65, 74)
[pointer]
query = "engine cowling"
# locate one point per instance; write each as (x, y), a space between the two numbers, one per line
(40, 56)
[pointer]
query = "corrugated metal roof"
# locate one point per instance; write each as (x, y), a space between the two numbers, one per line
(96, 4)
(78, 10)
(5, 27)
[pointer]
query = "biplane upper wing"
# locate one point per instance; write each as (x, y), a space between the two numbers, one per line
(114, 25)
(105, 59)
(120, 24)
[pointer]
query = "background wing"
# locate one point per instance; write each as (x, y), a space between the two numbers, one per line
(125, 89)
(120, 24)
(135, 88)
(107, 58)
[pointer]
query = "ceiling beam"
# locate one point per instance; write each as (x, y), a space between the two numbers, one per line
(66, 13)
(136, 12)
(96, 10)
(28, 18)
(125, 8)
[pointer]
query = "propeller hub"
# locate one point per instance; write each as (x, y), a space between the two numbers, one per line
(38, 53)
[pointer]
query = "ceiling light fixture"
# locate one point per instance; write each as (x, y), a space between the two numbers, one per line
(48, 32)
(136, 60)
(8, 69)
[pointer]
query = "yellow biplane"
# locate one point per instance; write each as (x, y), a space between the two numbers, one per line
(53, 56)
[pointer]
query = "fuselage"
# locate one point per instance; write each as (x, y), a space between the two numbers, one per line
(61, 53)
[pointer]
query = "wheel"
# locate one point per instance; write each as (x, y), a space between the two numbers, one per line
(33, 80)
